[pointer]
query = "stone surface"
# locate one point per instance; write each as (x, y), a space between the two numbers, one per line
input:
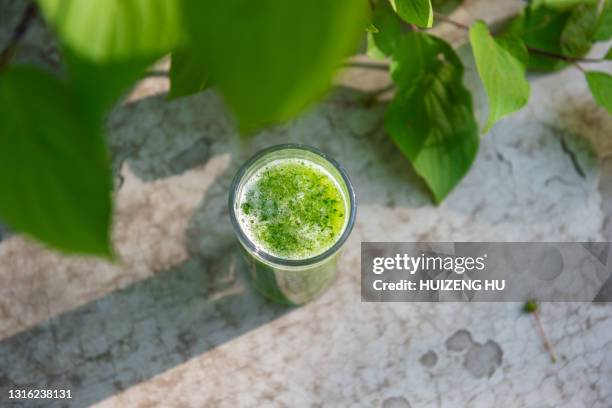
(176, 322)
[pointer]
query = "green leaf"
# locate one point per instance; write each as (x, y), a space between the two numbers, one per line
(99, 85)
(563, 31)
(577, 36)
(604, 23)
(187, 75)
(271, 59)
(417, 12)
(541, 28)
(600, 84)
(531, 306)
(382, 43)
(445, 6)
(561, 4)
(501, 64)
(608, 55)
(108, 44)
(55, 176)
(115, 30)
(431, 118)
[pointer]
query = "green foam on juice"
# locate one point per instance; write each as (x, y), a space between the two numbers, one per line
(292, 209)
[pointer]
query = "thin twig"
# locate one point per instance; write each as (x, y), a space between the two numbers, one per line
(380, 91)
(372, 97)
(578, 66)
(9, 51)
(367, 65)
(156, 73)
(547, 344)
(567, 58)
(445, 19)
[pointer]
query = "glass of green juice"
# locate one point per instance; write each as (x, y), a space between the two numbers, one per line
(292, 208)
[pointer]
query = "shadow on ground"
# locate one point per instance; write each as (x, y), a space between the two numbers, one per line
(133, 334)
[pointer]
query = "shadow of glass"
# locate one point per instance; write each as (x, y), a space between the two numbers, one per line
(135, 333)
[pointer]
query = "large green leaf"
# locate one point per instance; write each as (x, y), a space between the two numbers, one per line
(501, 63)
(108, 44)
(604, 23)
(187, 75)
(116, 30)
(600, 84)
(270, 59)
(381, 44)
(55, 177)
(417, 12)
(100, 84)
(431, 117)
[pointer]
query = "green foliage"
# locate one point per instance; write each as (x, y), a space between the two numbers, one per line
(115, 30)
(99, 85)
(561, 4)
(108, 45)
(604, 23)
(577, 36)
(600, 84)
(445, 6)
(55, 174)
(417, 12)
(431, 118)
(608, 55)
(566, 30)
(271, 59)
(501, 63)
(187, 76)
(531, 306)
(388, 25)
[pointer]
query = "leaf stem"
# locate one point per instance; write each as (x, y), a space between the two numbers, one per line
(367, 65)
(9, 51)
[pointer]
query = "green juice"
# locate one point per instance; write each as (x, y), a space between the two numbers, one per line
(292, 208)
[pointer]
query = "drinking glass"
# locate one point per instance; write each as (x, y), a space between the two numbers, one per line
(291, 281)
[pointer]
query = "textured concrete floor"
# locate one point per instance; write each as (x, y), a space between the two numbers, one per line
(176, 322)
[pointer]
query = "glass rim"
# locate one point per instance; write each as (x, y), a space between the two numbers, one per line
(245, 240)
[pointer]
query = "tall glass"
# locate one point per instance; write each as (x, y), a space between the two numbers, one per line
(291, 281)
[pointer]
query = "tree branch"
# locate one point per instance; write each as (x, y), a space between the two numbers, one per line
(9, 51)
